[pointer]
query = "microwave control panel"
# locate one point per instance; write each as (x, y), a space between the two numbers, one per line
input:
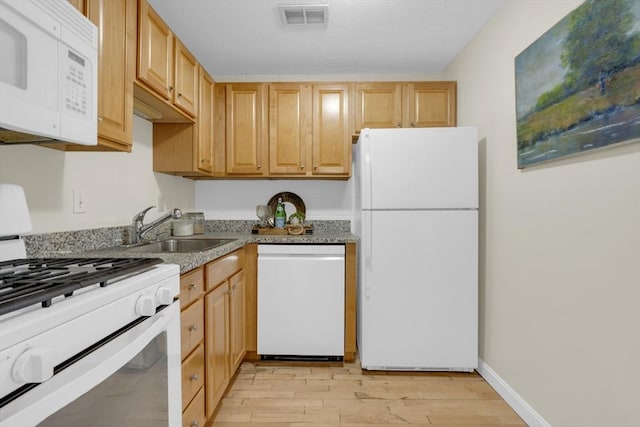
(77, 78)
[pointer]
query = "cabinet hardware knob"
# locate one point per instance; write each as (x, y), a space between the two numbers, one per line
(194, 377)
(413, 124)
(192, 287)
(195, 423)
(179, 95)
(193, 327)
(99, 118)
(170, 88)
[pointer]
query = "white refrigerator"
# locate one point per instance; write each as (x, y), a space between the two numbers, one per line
(416, 212)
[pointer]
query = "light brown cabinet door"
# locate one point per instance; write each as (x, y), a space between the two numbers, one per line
(431, 104)
(289, 128)
(246, 146)
(192, 375)
(206, 135)
(185, 93)
(331, 130)
(116, 70)
(194, 415)
(236, 316)
(155, 51)
(191, 327)
(216, 345)
(378, 105)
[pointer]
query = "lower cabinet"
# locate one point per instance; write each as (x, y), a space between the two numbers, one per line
(237, 347)
(224, 324)
(212, 334)
(193, 356)
(217, 303)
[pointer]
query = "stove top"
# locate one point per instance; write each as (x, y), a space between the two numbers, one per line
(29, 281)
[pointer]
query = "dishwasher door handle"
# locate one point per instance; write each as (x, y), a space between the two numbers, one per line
(299, 257)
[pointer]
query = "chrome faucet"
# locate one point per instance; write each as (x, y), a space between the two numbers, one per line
(141, 229)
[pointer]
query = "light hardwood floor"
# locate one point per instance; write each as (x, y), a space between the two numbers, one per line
(281, 394)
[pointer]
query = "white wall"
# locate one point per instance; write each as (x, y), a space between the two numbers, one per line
(238, 199)
(115, 185)
(560, 244)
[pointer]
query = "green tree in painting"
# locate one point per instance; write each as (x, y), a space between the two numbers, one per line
(597, 43)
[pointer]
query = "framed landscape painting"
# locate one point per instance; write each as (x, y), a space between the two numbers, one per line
(578, 85)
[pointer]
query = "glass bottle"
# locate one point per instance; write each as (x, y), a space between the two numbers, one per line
(280, 215)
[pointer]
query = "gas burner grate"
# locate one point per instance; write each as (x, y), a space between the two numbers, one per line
(24, 282)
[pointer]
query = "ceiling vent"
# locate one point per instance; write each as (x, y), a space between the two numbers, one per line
(295, 14)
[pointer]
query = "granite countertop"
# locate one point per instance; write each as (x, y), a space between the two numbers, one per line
(190, 260)
(107, 242)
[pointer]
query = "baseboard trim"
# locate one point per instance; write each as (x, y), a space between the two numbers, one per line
(522, 408)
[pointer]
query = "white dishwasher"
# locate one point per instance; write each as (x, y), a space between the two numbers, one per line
(300, 301)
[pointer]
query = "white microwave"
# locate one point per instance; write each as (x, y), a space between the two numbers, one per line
(48, 73)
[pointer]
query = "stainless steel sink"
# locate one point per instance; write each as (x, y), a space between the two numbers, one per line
(179, 245)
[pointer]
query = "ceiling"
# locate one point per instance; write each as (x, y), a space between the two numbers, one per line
(247, 37)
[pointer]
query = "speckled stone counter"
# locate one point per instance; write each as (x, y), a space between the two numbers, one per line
(107, 242)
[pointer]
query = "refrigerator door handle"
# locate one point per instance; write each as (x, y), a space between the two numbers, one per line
(368, 253)
(367, 169)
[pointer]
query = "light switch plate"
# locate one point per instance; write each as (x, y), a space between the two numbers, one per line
(79, 201)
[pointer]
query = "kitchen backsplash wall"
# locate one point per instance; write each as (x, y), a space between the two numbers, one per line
(114, 185)
(327, 200)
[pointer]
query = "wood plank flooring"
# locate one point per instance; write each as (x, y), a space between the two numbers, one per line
(283, 394)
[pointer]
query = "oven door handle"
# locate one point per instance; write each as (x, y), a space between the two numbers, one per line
(77, 379)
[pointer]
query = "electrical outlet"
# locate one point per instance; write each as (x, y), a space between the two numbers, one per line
(79, 201)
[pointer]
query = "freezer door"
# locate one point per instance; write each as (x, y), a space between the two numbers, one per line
(429, 168)
(418, 290)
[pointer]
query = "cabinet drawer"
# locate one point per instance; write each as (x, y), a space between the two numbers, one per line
(194, 415)
(191, 327)
(192, 375)
(191, 287)
(220, 269)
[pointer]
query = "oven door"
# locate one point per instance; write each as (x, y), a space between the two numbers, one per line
(133, 379)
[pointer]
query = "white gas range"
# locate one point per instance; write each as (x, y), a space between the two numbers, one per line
(88, 341)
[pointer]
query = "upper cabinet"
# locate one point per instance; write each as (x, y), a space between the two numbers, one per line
(186, 149)
(309, 130)
(205, 130)
(167, 73)
(289, 128)
(411, 104)
(378, 105)
(245, 130)
(185, 92)
(331, 131)
(430, 104)
(155, 51)
(116, 22)
(116, 71)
